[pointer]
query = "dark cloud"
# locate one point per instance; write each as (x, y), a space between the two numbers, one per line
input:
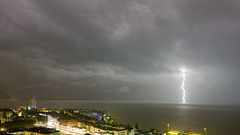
(105, 49)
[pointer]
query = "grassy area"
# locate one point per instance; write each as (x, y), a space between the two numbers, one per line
(17, 124)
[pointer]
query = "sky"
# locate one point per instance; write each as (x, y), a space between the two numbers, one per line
(121, 50)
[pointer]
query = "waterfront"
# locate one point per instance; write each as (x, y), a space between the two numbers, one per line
(218, 120)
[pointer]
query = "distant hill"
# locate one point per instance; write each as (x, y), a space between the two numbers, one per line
(3, 95)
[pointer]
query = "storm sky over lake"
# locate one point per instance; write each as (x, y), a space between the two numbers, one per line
(121, 49)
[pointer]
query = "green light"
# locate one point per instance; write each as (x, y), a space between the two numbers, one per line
(205, 129)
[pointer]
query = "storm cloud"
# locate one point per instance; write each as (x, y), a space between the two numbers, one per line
(111, 49)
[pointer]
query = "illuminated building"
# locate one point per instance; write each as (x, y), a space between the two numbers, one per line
(184, 132)
(22, 108)
(42, 109)
(33, 104)
(2, 117)
(51, 121)
(6, 115)
(171, 132)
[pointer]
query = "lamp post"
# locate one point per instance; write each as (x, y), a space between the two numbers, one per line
(205, 131)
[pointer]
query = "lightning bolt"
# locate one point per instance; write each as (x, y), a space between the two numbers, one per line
(183, 84)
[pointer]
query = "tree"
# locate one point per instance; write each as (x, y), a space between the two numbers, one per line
(136, 126)
(153, 130)
(129, 127)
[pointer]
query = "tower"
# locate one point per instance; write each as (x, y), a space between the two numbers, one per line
(33, 104)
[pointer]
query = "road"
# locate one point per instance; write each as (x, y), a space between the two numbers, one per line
(64, 129)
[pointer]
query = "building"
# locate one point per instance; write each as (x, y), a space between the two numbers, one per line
(37, 131)
(6, 115)
(42, 109)
(70, 123)
(22, 108)
(33, 103)
(171, 132)
(182, 132)
(2, 116)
